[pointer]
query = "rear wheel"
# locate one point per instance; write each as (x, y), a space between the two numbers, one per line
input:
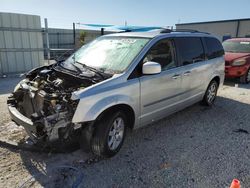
(109, 134)
(211, 93)
(245, 78)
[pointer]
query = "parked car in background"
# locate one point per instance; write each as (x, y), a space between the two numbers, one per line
(237, 58)
(118, 82)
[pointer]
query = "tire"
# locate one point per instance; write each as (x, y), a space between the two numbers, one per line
(211, 93)
(245, 79)
(107, 141)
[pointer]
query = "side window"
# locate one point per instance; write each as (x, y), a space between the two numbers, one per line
(162, 53)
(190, 50)
(214, 48)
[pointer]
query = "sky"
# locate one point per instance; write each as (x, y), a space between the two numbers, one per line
(62, 13)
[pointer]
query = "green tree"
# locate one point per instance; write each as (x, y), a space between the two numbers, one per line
(82, 37)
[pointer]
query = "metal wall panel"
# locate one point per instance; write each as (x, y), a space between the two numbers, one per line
(234, 28)
(218, 29)
(21, 45)
(244, 28)
(1, 39)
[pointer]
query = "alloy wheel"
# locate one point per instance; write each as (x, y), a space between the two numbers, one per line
(211, 92)
(116, 133)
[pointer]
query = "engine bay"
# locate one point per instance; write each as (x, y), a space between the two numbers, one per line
(44, 97)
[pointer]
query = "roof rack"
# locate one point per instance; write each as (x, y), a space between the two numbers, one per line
(182, 30)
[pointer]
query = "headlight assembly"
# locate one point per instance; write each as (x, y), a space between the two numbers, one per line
(239, 62)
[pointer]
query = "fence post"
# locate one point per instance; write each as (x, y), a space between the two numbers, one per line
(74, 34)
(47, 38)
(58, 39)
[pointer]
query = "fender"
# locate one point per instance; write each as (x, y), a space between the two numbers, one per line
(88, 111)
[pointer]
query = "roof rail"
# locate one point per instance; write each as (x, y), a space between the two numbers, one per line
(182, 30)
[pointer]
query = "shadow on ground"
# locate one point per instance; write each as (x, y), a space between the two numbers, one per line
(196, 147)
(236, 83)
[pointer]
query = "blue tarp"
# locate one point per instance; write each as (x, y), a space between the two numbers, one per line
(124, 28)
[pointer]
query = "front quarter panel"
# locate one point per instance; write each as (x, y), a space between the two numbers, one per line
(90, 107)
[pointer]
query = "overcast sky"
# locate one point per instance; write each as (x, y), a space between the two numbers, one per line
(62, 13)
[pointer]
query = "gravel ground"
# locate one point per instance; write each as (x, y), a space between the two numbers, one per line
(197, 147)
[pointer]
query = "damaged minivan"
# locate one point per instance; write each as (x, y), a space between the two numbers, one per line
(117, 82)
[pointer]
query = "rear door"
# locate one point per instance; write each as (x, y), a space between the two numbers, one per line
(192, 60)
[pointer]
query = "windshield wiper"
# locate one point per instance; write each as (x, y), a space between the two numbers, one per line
(78, 70)
(100, 73)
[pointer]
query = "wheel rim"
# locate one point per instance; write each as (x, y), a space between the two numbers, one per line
(211, 93)
(116, 133)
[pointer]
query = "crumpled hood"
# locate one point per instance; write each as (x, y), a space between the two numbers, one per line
(229, 57)
(97, 88)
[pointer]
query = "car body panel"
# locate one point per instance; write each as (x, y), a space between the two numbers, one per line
(235, 72)
(158, 92)
(97, 99)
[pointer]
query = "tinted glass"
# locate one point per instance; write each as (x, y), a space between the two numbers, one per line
(190, 50)
(214, 48)
(162, 53)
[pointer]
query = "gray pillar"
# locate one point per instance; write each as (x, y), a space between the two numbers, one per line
(47, 37)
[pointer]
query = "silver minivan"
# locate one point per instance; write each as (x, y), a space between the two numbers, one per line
(117, 82)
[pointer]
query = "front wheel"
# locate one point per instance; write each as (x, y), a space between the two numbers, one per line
(109, 134)
(245, 78)
(211, 93)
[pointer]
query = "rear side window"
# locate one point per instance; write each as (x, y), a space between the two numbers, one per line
(214, 48)
(190, 50)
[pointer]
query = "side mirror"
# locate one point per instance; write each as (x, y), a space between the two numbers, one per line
(151, 67)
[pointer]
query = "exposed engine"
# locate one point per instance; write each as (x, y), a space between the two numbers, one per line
(45, 98)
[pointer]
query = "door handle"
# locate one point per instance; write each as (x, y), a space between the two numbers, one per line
(176, 76)
(187, 73)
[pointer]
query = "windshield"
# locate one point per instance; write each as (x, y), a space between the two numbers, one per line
(108, 54)
(237, 46)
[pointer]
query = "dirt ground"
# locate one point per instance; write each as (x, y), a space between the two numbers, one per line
(197, 147)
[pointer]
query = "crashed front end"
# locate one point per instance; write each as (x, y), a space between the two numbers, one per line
(42, 104)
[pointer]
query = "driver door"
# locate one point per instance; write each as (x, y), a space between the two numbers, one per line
(160, 92)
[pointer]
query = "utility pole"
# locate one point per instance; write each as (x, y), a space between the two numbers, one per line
(47, 38)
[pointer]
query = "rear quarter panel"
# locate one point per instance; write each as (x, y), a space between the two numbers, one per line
(218, 69)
